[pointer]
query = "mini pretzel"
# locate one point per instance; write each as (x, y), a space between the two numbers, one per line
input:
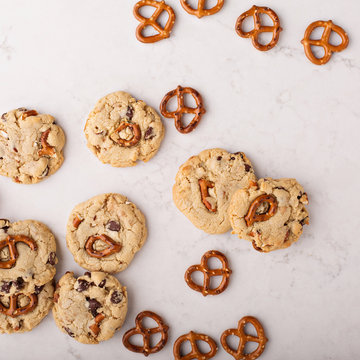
(163, 32)
(46, 149)
(195, 351)
(11, 242)
(146, 333)
(205, 185)
(239, 353)
(179, 92)
(328, 26)
(28, 113)
(112, 248)
(14, 310)
(225, 272)
(252, 216)
(200, 11)
(255, 12)
(95, 328)
(136, 134)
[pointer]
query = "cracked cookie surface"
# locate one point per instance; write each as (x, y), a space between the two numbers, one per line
(105, 232)
(90, 308)
(205, 183)
(30, 146)
(18, 323)
(35, 262)
(282, 228)
(121, 130)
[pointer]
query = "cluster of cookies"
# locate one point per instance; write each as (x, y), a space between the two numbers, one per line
(255, 12)
(218, 191)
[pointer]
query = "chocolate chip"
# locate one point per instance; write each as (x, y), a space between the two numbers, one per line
(93, 306)
(6, 286)
(38, 289)
(232, 158)
(52, 259)
(219, 158)
(149, 133)
(19, 283)
(87, 274)
(116, 297)
(4, 224)
(102, 283)
(15, 149)
(22, 109)
(130, 112)
(247, 167)
(3, 116)
(113, 226)
(69, 331)
(82, 285)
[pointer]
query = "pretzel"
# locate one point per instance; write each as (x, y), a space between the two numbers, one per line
(239, 353)
(225, 272)
(205, 185)
(252, 216)
(14, 310)
(11, 242)
(95, 328)
(146, 333)
(27, 113)
(46, 149)
(328, 26)
(163, 32)
(255, 12)
(200, 11)
(179, 92)
(195, 351)
(136, 134)
(112, 248)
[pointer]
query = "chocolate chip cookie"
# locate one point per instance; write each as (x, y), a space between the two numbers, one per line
(20, 313)
(121, 130)
(30, 146)
(105, 232)
(91, 308)
(27, 256)
(204, 186)
(270, 213)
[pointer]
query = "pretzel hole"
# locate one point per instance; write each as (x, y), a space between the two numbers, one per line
(248, 24)
(249, 329)
(100, 245)
(214, 263)
(209, 4)
(215, 282)
(126, 133)
(147, 11)
(5, 254)
(192, 3)
(137, 340)
(233, 342)
(263, 208)
(198, 278)
(318, 51)
(148, 31)
(163, 19)
(172, 104)
(155, 339)
(265, 38)
(23, 300)
(250, 347)
(317, 33)
(186, 119)
(185, 348)
(203, 346)
(335, 39)
(266, 20)
(148, 323)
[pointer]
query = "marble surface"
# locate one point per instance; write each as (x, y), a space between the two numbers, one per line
(292, 118)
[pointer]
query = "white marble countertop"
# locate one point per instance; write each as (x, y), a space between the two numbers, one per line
(292, 118)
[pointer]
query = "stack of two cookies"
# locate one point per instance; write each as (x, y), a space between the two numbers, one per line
(218, 191)
(27, 269)
(103, 234)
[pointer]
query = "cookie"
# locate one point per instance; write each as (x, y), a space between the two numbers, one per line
(20, 313)
(270, 213)
(91, 308)
(121, 130)
(27, 256)
(204, 186)
(30, 146)
(105, 232)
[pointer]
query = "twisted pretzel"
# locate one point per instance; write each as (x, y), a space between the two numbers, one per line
(163, 32)
(200, 11)
(11, 242)
(46, 149)
(95, 328)
(328, 26)
(112, 248)
(255, 12)
(252, 216)
(13, 310)
(225, 272)
(239, 353)
(136, 134)
(195, 351)
(146, 333)
(179, 92)
(205, 185)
